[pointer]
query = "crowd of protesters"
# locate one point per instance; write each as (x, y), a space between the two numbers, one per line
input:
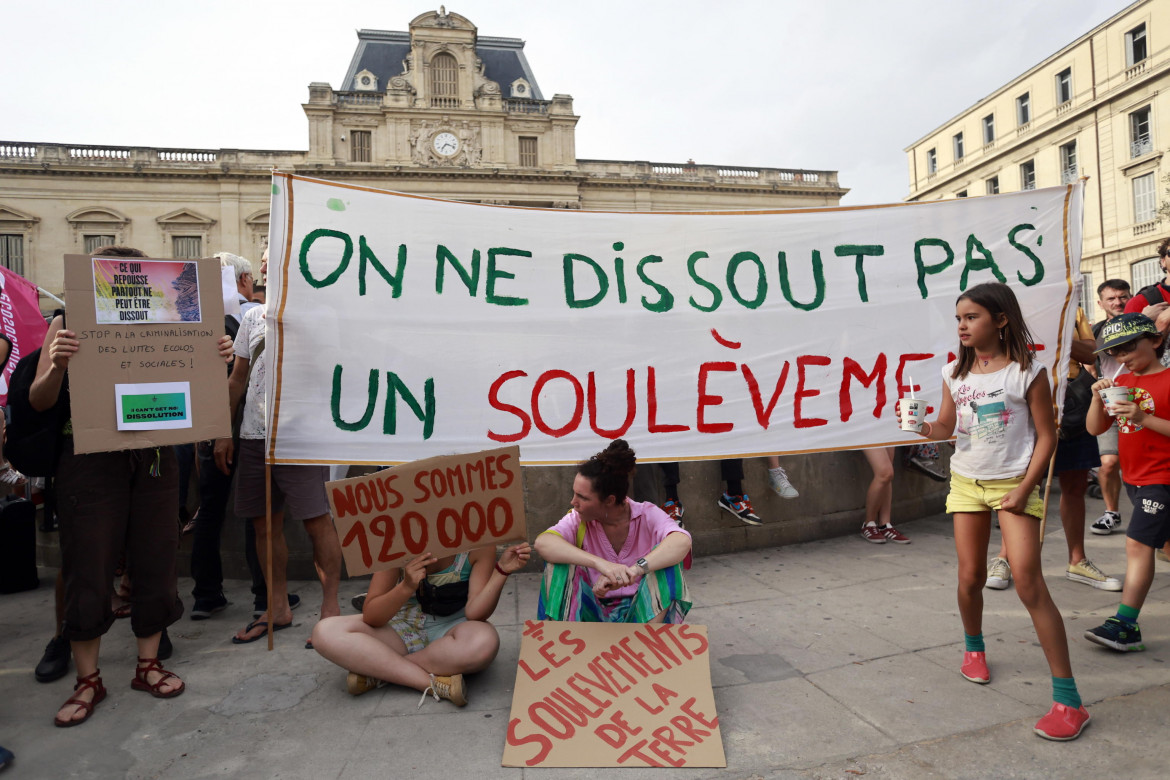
(424, 625)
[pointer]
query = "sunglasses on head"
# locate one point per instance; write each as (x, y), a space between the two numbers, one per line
(1122, 349)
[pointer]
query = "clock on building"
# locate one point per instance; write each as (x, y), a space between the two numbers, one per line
(445, 144)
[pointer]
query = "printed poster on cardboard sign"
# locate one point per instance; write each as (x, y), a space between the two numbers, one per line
(613, 695)
(441, 505)
(129, 289)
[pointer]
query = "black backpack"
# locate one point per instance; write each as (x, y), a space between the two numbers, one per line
(33, 441)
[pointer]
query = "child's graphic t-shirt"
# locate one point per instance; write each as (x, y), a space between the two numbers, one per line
(993, 428)
(1145, 455)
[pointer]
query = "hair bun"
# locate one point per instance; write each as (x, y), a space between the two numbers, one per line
(617, 458)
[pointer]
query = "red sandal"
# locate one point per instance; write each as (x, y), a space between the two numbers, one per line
(141, 683)
(93, 681)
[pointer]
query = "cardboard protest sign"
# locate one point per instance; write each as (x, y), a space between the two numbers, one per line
(613, 694)
(148, 372)
(696, 335)
(442, 505)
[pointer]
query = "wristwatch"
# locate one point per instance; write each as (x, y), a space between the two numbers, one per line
(645, 566)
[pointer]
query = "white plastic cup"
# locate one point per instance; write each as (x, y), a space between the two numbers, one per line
(912, 411)
(1112, 395)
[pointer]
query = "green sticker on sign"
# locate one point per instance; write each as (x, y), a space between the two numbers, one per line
(153, 406)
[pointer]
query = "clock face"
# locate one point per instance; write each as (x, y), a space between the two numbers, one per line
(446, 144)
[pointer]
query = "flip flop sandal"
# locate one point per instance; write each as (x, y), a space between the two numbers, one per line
(256, 624)
(93, 681)
(141, 683)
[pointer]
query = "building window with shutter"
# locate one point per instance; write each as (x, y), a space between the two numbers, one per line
(528, 157)
(1145, 201)
(12, 252)
(359, 146)
(94, 243)
(1140, 140)
(1028, 175)
(1143, 273)
(993, 185)
(958, 146)
(1023, 109)
(187, 247)
(931, 161)
(1135, 45)
(1068, 163)
(444, 81)
(1064, 86)
(988, 129)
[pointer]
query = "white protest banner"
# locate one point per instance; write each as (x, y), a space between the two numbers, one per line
(441, 505)
(402, 327)
(613, 694)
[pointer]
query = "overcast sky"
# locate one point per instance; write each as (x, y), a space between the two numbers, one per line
(829, 84)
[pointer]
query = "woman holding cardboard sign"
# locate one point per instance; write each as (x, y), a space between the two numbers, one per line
(424, 625)
(612, 559)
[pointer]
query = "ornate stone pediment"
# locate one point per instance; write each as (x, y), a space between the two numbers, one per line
(97, 216)
(180, 218)
(442, 19)
(11, 216)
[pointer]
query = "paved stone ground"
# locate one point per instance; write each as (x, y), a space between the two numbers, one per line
(832, 659)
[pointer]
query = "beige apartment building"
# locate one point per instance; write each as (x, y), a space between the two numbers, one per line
(437, 110)
(1098, 108)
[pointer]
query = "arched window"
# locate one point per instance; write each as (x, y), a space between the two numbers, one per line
(444, 81)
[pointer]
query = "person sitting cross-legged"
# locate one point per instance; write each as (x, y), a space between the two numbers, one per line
(424, 625)
(612, 559)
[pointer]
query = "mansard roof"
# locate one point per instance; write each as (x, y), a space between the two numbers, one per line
(382, 51)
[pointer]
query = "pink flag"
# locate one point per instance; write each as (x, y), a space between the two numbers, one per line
(20, 321)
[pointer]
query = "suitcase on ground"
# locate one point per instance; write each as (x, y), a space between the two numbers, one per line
(18, 545)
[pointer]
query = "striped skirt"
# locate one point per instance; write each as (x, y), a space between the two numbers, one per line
(565, 594)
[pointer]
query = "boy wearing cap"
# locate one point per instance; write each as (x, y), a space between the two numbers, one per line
(1143, 423)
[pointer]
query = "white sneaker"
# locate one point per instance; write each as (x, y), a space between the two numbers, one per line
(1106, 523)
(999, 574)
(778, 480)
(1086, 572)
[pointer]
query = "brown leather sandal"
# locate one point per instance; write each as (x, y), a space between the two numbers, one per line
(141, 683)
(93, 681)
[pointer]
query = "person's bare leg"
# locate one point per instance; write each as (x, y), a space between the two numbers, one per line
(277, 578)
(1072, 512)
(880, 493)
(972, 533)
(85, 658)
(1109, 476)
(374, 652)
(327, 560)
(148, 648)
(1021, 534)
(1139, 573)
(468, 647)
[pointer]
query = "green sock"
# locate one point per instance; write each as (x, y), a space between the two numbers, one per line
(974, 643)
(1128, 614)
(1064, 691)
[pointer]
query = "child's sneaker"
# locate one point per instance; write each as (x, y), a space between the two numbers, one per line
(999, 574)
(674, 510)
(741, 507)
(1062, 723)
(893, 534)
(974, 667)
(871, 533)
(778, 481)
(1118, 635)
(1106, 523)
(1087, 573)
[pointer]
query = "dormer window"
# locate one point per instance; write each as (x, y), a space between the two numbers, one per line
(365, 82)
(521, 89)
(444, 81)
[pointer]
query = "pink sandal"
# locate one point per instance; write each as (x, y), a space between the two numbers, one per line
(93, 681)
(141, 683)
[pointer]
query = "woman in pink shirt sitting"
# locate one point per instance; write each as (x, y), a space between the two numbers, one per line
(612, 559)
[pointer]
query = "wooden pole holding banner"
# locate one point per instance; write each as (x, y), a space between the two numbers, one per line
(268, 544)
(1047, 492)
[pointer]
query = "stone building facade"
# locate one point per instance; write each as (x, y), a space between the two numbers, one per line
(437, 110)
(1098, 108)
